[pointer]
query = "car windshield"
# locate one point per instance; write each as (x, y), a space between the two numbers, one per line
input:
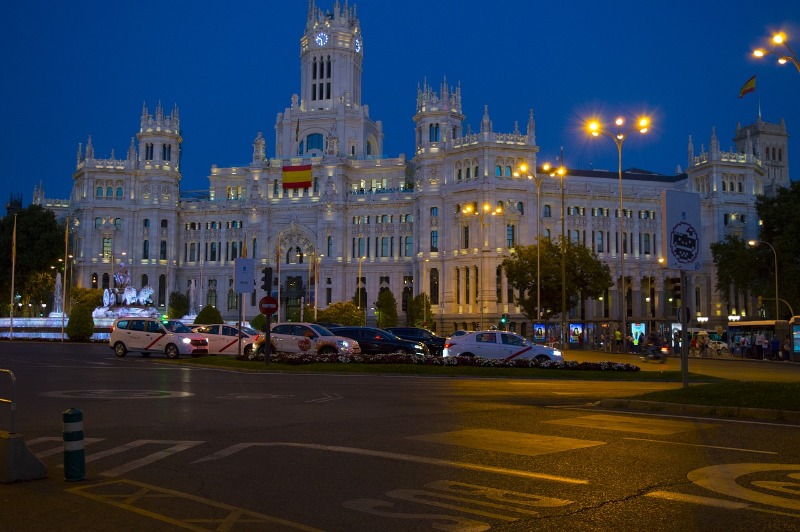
(389, 335)
(320, 330)
(248, 331)
(175, 326)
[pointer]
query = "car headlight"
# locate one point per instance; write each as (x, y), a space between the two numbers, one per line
(343, 343)
(557, 353)
(186, 340)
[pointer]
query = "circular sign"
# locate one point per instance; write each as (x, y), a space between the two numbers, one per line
(268, 305)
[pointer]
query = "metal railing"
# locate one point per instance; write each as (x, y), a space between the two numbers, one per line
(12, 400)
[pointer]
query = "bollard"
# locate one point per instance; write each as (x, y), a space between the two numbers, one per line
(74, 456)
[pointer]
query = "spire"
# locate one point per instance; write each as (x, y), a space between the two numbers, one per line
(713, 146)
(690, 149)
(89, 149)
(132, 151)
(531, 129)
(80, 155)
(159, 113)
(486, 124)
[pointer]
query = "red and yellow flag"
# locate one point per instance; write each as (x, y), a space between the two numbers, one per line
(297, 176)
(749, 86)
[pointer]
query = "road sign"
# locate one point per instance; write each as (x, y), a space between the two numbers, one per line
(268, 305)
(244, 275)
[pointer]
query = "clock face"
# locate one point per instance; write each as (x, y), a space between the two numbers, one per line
(321, 39)
(358, 45)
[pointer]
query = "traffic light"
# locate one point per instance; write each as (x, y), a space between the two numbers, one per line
(266, 279)
(504, 318)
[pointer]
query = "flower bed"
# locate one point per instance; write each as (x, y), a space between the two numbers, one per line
(399, 358)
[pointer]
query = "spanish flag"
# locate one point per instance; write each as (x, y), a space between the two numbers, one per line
(749, 86)
(297, 176)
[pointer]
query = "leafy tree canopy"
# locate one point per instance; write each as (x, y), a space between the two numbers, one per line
(386, 309)
(346, 313)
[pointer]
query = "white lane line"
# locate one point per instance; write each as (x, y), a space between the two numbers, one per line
(705, 446)
(392, 456)
(715, 419)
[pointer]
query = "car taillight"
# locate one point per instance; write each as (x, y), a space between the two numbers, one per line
(448, 345)
(112, 328)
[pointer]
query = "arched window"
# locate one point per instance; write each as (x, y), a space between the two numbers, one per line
(146, 222)
(110, 192)
(119, 192)
(118, 223)
(546, 211)
(498, 171)
(164, 223)
(330, 246)
(98, 222)
(99, 192)
(434, 286)
(458, 175)
(468, 173)
(146, 249)
(314, 142)
(434, 211)
(162, 252)
(724, 186)
(508, 171)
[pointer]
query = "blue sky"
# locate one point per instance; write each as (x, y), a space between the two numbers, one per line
(74, 69)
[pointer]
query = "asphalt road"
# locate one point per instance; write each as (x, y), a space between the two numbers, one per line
(176, 448)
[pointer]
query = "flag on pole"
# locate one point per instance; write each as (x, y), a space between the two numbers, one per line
(297, 176)
(749, 86)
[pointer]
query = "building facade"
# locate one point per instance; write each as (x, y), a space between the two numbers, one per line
(440, 223)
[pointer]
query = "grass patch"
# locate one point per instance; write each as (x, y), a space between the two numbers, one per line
(443, 371)
(773, 395)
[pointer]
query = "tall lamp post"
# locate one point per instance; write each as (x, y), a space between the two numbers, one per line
(596, 129)
(485, 210)
(780, 38)
(775, 255)
(358, 287)
(537, 178)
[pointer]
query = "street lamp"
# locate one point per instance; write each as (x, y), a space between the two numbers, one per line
(481, 213)
(358, 287)
(537, 178)
(561, 172)
(780, 38)
(596, 129)
(775, 254)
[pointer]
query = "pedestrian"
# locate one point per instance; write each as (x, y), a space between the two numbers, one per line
(618, 341)
(787, 348)
(775, 347)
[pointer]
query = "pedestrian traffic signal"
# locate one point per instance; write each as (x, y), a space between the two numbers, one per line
(266, 279)
(504, 318)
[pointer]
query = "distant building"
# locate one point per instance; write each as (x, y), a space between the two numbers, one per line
(360, 220)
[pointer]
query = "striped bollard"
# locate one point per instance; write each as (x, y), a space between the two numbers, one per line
(74, 456)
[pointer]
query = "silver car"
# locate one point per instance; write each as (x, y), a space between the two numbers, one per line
(499, 345)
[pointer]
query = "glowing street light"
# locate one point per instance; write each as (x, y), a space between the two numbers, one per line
(596, 129)
(775, 254)
(779, 39)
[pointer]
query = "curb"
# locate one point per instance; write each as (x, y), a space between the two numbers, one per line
(765, 414)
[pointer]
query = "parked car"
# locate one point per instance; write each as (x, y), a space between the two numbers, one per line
(500, 345)
(306, 338)
(374, 341)
(460, 332)
(152, 335)
(434, 342)
(224, 339)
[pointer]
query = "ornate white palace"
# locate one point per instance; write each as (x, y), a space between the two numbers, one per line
(372, 222)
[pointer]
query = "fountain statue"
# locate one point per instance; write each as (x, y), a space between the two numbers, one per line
(124, 300)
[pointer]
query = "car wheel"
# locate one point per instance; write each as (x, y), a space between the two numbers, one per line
(248, 351)
(327, 350)
(145, 355)
(467, 354)
(120, 350)
(172, 351)
(542, 358)
(251, 355)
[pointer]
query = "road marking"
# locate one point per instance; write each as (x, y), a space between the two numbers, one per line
(60, 448)
(695, 499)
(704, 446)
(325, 398)
(133, 496)
(392, 456)
(177, 446)
(254, 396)
(724, 479)
(632, 424)
(507, 442)
(117, 394)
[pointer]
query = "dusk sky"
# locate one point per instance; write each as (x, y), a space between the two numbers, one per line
(74, 69)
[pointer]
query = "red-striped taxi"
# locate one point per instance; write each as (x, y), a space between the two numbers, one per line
(153, 335)
(224, 339)
(500, 345)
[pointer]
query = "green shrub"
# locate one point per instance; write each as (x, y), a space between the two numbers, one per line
(208, 315)
(258, 322)
(81, 324)
(178, 305)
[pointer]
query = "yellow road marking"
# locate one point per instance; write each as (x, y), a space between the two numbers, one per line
(632, 424)
(131, 495)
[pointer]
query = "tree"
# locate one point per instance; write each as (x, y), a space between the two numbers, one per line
(346, 313)
(258, 322)
(780, 224)
(178, 305)
(586, 276)
(38, 288)
(736, 267)
(208, 315)
(40, 243)
(419, 311)
(91, 297)
(386, 309)
(80, 327)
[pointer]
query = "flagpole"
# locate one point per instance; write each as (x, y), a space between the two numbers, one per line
(64, 289)
(278, 271)
(13, 266)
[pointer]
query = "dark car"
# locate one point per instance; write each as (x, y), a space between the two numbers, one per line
(418, 334)
(374, 341)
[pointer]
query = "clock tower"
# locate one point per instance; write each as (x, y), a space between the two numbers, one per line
(328, 117)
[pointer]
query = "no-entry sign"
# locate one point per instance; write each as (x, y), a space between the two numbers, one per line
(268, 305)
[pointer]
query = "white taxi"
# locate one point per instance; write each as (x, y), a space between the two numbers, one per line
(500, 345)
(224, 339)
(308, 338)
(152, 335)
